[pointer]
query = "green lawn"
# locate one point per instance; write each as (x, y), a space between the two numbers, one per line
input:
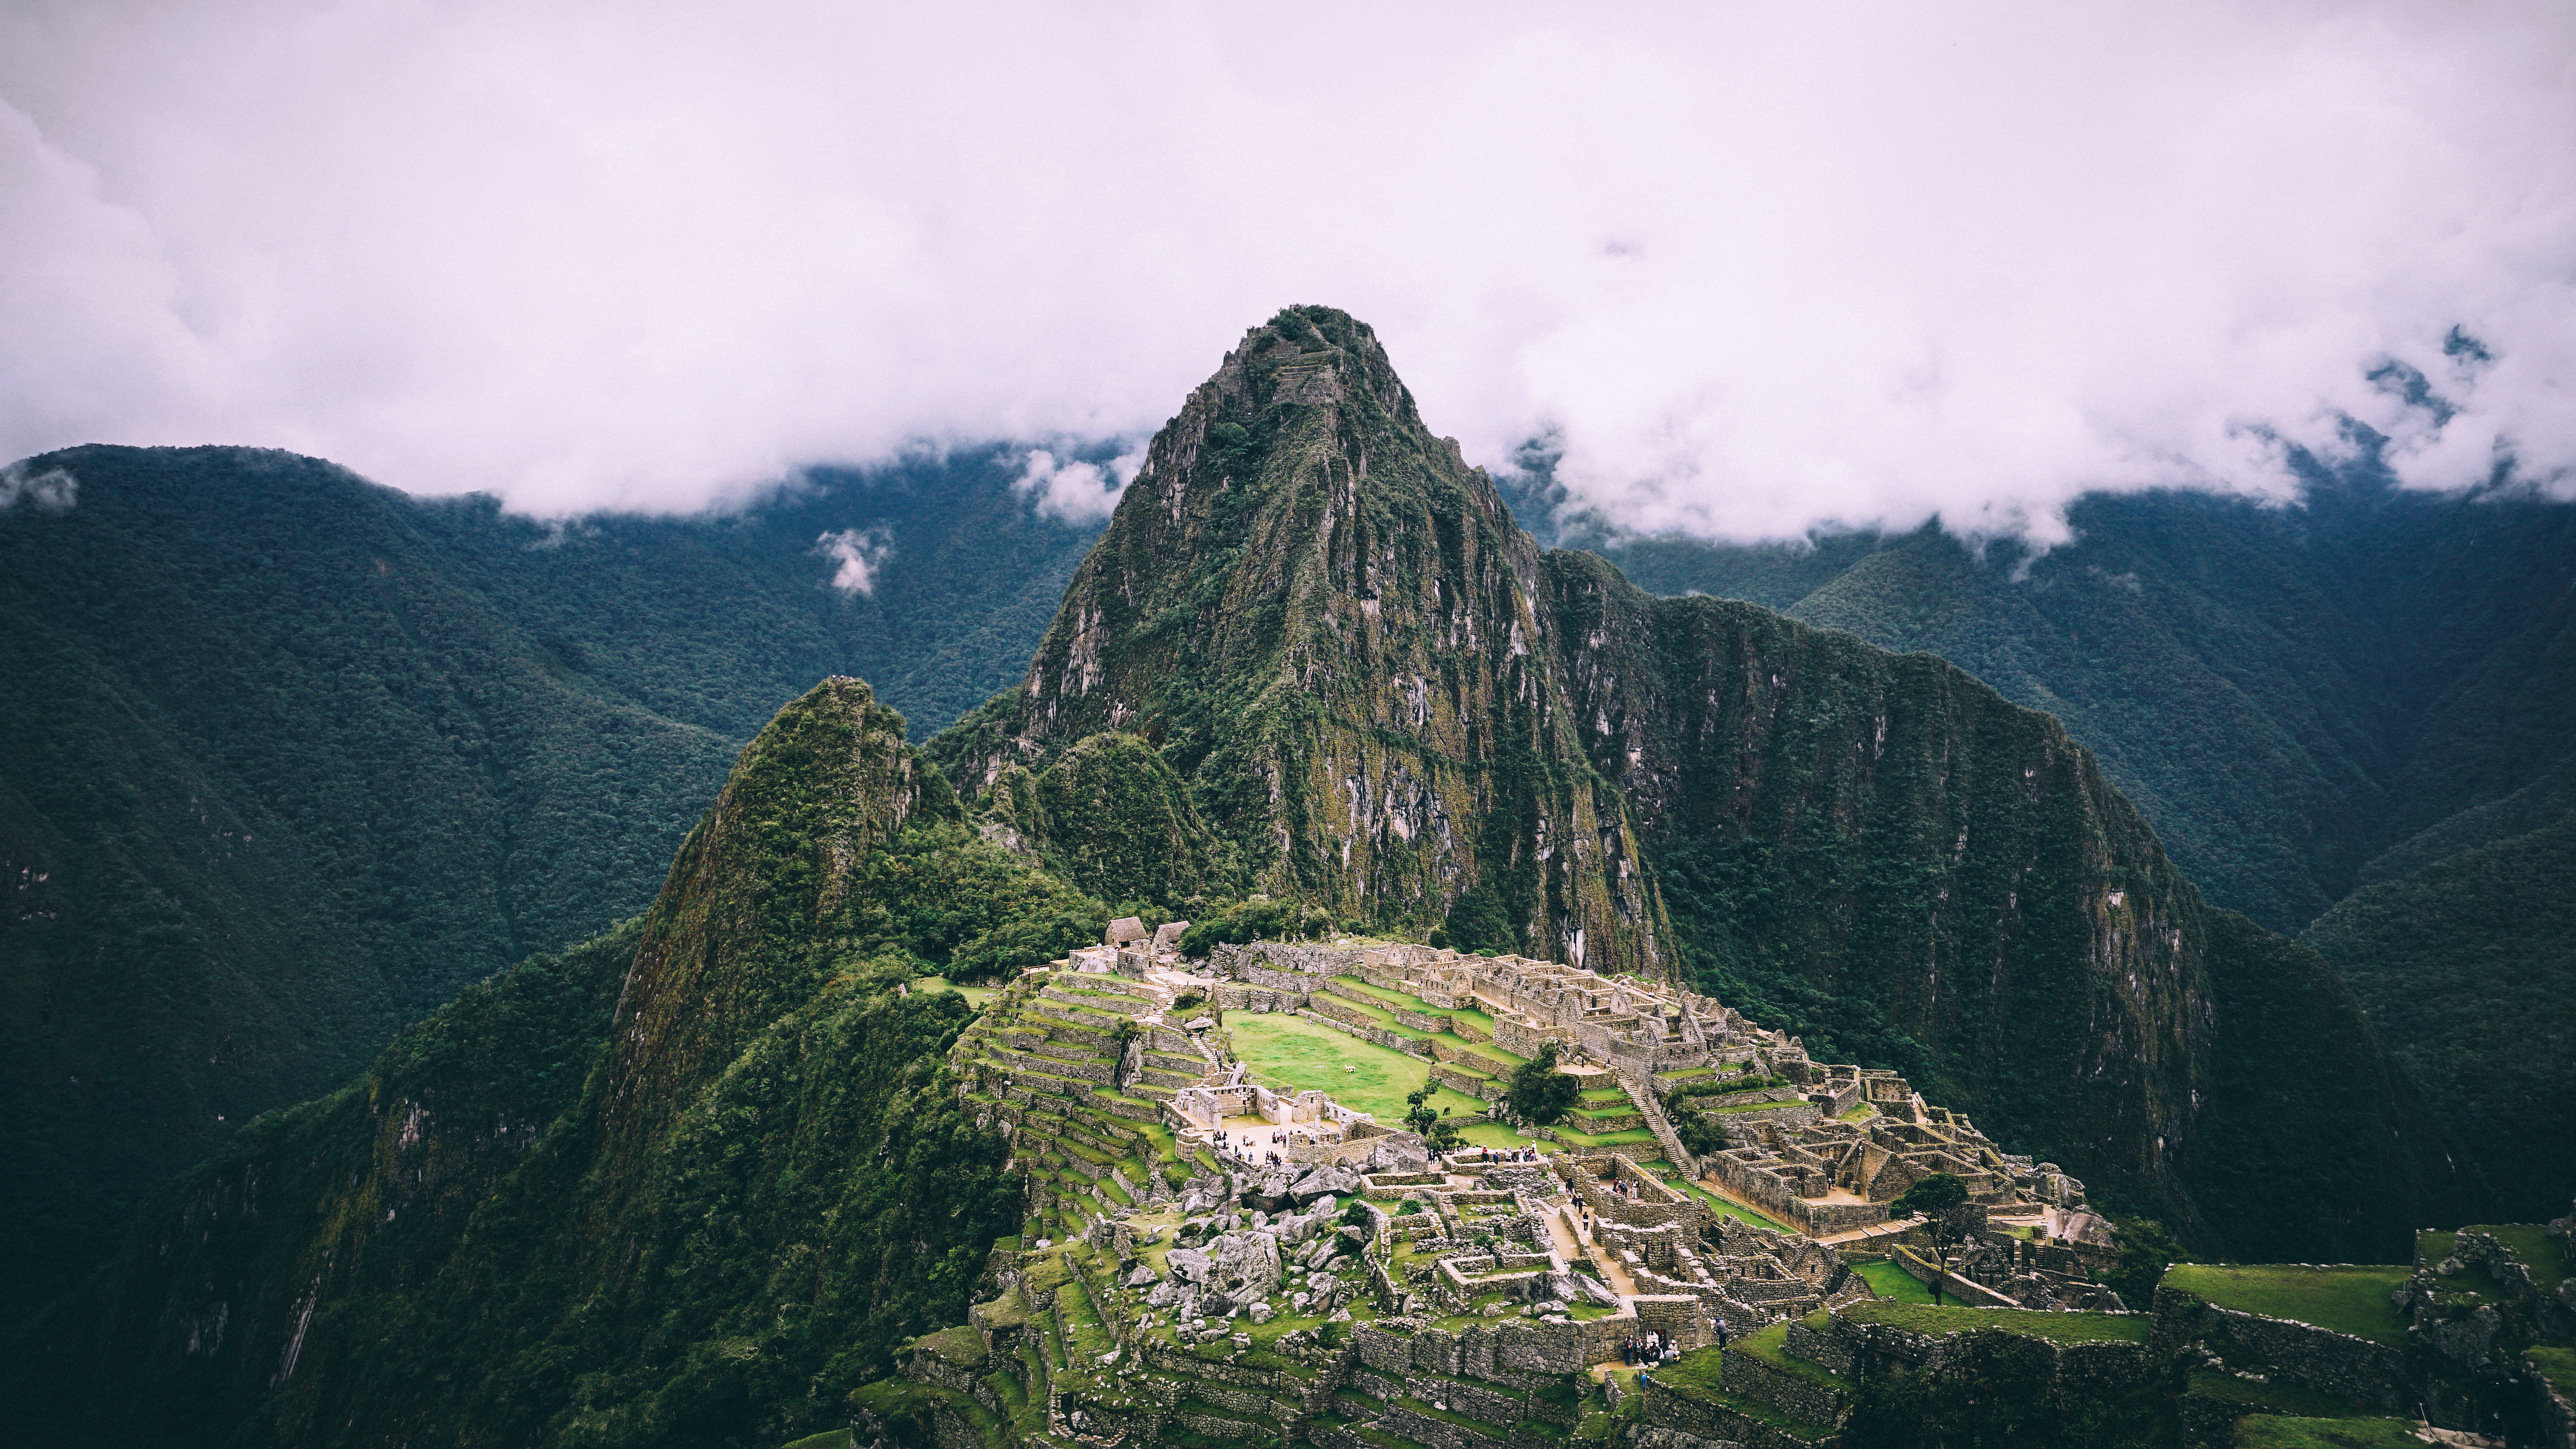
(2264, 1431)
(1890, 1281)
(2054, 1327)
(2346, 1300)
(2557, 1365)
(1603, 1139)
(1291, 1053)
(975, 996)
(1495, 1134)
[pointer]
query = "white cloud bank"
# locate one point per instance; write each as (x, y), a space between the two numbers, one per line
(1756, 266)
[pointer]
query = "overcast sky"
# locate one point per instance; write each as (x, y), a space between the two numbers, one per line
(1755, 267)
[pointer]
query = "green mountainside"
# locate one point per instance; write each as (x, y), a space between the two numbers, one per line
(686, 1183)
(1384, 697)
(2307, 702)
(1327, 623)
(287, 758)
(698, 1181)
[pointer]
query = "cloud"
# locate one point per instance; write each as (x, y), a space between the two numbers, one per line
(1751, 267)
(859, 552)
(1075, 491)
(54, 490)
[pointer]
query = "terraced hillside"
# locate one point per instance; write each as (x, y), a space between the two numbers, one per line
(1074, 1068)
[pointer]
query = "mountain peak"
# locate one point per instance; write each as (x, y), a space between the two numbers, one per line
(1327, 622)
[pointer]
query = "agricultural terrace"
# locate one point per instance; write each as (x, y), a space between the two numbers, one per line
(2344, 1299)
(1290, 1054)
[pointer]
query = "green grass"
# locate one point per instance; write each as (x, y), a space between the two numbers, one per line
(1695, 1375)
(1890, 1281)
(2266, 1431)
(1726, 1209)
(2557, 1365)
(2540, 1252)
(2054, 1327)
(2345, 1300)
(1771, 1347)
(1495, 1134)
(1857, 1112)
(1603, 1139)
(828, 1439)
(1752, 1107)
(1291, 1052)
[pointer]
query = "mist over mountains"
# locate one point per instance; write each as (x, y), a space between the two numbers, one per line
(1312, 659)
(289, 758)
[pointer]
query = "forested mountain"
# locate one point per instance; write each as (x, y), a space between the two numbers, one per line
(2353, 717)
(287, 758)
(692, 1182)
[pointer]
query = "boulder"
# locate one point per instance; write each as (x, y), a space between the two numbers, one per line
(1329, 1179)
(1141, 1276)
(1190, 1265)
(1402, 1152)
(1244, 1265)
(1271, 1195)
(1259, 1312)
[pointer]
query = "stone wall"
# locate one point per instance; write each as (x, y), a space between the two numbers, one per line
(1665, 1408)
(1791, 1394)
(1923, 1270)
(2337, 1363)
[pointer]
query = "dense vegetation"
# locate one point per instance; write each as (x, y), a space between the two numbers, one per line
(555, 1210)
(692, 1182)
(286, 759)
(1314, 614)
(2353, 716)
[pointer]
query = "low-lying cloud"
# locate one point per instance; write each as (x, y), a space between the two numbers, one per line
(856, 554)
(50, 490)
(1751, 268)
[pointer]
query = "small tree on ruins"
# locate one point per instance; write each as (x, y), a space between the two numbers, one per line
(1539, 1092)
(1938, 1196)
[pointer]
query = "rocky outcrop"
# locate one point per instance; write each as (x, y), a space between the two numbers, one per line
(1329, 624)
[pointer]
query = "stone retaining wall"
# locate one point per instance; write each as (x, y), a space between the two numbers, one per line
(1797, 1397)
(2337, 1363)
(1667, 1409)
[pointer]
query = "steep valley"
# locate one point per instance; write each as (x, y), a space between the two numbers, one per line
(706, 1178)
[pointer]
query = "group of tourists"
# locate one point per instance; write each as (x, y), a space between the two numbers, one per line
(1653, 1348)
(1244, 1147)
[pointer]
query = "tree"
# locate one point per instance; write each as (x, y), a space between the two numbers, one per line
(1417, 1109)
(1444, 1135)
(1539, 1092)
(2146, 1251)
(1938, 1196)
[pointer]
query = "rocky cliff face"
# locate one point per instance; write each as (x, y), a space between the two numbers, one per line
(1881, 848)
(1383, 696)
(1330, 626)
